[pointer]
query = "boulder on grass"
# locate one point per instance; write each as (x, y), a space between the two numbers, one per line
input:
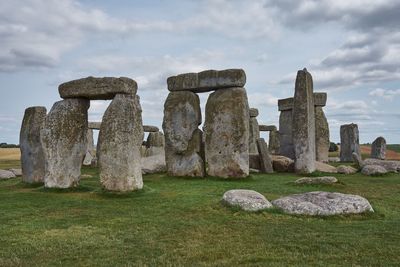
(247, 200)
(373, 170)
(323, 167)
(317, 180)
(343, 169)
(282, 164)
(4, 174)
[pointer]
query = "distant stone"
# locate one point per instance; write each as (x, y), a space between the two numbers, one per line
(150, 128)
(320, 203)
(208, 80)
(349, 142)
(265, 157)
(282, 164)
(343, 169)
(254, 161)
(254, 134)
(17, 172)
(333, 159)
(286, 147)
(321, 135)
(267, 128)
(323, 167)
(357, 160)
(95, 125)
(285, 104)
(320, 99)
(389, 165)
(155, 144)
(378, 148)
(317, 180)
(90, 153)
(373, 170)
(254, 170)
(273, 142)
(253, 112)
(32, 156)
(97, 88)
(247, 200)
(154, 164)
(4, 174)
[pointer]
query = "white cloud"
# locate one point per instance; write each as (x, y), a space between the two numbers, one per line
(386, 94)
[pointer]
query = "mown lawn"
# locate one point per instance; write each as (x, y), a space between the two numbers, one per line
(178, 221)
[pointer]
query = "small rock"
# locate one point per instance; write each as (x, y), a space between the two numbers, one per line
(282, 164)
(373, 170)
(317, 180)
(17, 172)
(4, 174)
(247, 200)
(323, 167)
(343, 169)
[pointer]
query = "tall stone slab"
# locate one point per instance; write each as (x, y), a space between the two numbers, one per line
(120, 140)
(273, 142)
(303, 124)
(378, 148)
(155, 144)
(286, 148)
(254, 131)
(32, 157)
(349, 142)
(183, 139)
(64, 142)
(227, 133)
(90, 153)
(321, 135)
(265, 157)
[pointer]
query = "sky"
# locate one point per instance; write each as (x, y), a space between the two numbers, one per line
(351, 48)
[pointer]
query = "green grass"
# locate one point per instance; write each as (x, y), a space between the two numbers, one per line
(394, 147)
(180, 221)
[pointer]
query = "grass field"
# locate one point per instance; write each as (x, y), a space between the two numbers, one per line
(178, 221)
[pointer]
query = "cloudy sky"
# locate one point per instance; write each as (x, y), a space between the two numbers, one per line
(352, 49)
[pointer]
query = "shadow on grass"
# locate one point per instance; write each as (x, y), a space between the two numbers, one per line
(103, 193)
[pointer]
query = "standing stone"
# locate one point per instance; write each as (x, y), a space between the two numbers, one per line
(274, 142)
(32, 157)
(286, 148)
(321, 135)
(349, 142)
(155, 144)
(227, 133)
(265, 157)
(378, 148)
(303, 126)
(90, 153)
(182, 116)
(64, 142)
(120, 140)
(254, 131)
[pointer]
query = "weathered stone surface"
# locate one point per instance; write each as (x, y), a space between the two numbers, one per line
(349, 141)
(4, 174)
(63, 138)
(333, 159)
(265, 157)
(95, 125)
(286, 147)
(323, 204)
(273, 142)
(285, 104)
(154, 164)
(267, 128)
(17, 172)
(303, 124)
(378, 148)
(183, 139)
(343, 169)
(357, 160)
(32, 157)
(373, 170)
(282, 164)
(97, 88)
(90, 152)
(323, 167)
(320, 99)
(321, 135)
(389, 165)
(317, 180)
(247, 200)
(254, 134)
(227, 133)
(118, 148)
(254, 161)
(150, 128)
(253, 112)
(155, 144)
(208, 80)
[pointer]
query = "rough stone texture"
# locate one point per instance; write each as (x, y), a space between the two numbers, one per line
(97, 88)
(247, 200)
(320, 99)
(321, 135)
(32, 157)
(285, 104)
(90, 152)
(154, 164)
(323, 167)
(349, 142)
(17, 172)
(95, 125)
(227, 133)
(373, 170)
(265, 157)
(208, 80)
(267, 128)
(389, 165)
(286, 147)
(118, 148)
(273, 142)
(4, 174)
(254, 134)
(357, 160)
(333, 159)
(183, 139)
(254, 161)
(378, 148)
(253, 112)
(303, 124)
(63, 139)
(323, 204)
(282, 164)
(150, 128)
(343, 169)
(317, 180)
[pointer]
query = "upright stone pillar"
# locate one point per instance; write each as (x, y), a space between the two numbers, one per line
(118, 149)
(90, 151)
(227, 133)
(64, 142)
(349, 142)
(273, 141)
(155, 144)
(303, 124)
(254, 130)
(32, 157)
(378, 148)
(286, 148)
(321, 128)
(182, 116)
